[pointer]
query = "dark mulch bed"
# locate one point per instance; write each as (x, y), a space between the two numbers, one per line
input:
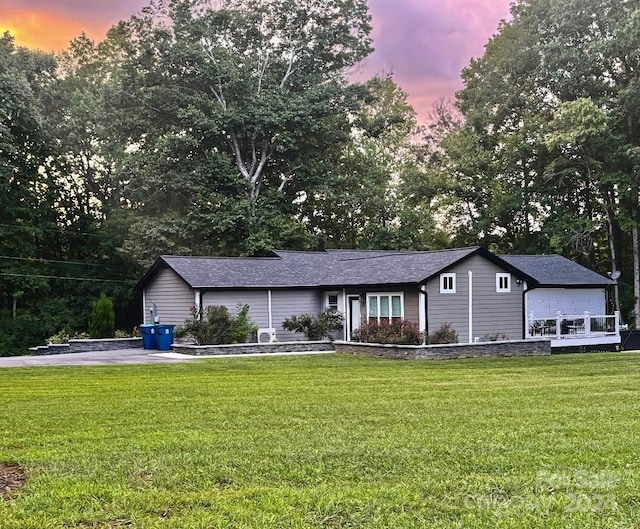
(12, 476)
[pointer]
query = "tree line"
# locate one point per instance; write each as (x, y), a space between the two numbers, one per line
(236, 130)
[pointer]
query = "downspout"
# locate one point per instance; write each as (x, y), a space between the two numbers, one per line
(470, 306)
(425, 336)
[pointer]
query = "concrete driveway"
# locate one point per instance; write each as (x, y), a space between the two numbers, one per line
(95, 358)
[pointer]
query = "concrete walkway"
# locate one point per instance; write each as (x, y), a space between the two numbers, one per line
(95, 358)
(124, 356)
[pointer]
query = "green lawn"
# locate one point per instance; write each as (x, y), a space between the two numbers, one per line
(326, 441)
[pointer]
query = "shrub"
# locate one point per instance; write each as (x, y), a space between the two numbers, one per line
(315, 327)
(214, 325)
(242, 327)
(399, 332)
(445, 334)
(103, 318)
(498, 337)
(59, 338)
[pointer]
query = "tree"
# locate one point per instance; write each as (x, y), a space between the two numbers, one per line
(103, 318)
(362, 196)
(546, 153)
(235, 102)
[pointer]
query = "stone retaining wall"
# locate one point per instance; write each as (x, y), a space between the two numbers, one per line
(449, 351)
(252, 348)
(85, 346)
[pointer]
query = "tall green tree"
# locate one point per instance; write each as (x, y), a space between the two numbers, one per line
(546, 159)
(227, 106)
(362, 198)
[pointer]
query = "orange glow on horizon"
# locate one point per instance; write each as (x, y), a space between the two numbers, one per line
(47, 32)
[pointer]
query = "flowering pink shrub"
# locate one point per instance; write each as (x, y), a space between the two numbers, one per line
(401, 332)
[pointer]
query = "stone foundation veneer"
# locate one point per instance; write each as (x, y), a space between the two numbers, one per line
(86, 346)
(252, 348)
(448, 351)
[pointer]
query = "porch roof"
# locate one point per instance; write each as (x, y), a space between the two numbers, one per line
(557, 271)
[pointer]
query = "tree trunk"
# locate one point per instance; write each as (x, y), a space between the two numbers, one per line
(608, 207)
(636, 255)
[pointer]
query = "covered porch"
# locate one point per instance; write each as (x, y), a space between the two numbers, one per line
(567, 330)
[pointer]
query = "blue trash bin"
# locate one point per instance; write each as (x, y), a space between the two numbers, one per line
(148, 335)
(164, 337)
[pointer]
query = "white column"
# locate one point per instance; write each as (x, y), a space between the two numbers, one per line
(587, 323)
(470, 306)
(345, 314)
(144, 306)
(196, 301)
(525, 312)
(269, 309)
(422, 315)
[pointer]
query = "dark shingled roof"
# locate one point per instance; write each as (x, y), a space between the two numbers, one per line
(339, 268)
(373, 267)
(311, 269)
(555, 270)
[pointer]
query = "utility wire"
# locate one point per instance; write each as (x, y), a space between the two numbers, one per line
(54, 230)
(38, 260)
(68, 278)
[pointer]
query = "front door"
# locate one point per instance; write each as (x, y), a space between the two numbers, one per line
(354, 315)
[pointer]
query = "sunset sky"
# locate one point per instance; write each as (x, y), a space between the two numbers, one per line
(425, 43)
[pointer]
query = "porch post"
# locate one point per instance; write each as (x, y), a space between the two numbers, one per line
(558, 323)
(617, 322)
(345, 313)
(422, 317)
(196, 301)
(269, 309)
(587, 323)
(144, 306)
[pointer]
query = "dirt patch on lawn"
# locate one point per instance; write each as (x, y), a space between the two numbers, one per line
(12, 477)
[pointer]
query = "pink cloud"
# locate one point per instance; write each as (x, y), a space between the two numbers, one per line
(426, 44)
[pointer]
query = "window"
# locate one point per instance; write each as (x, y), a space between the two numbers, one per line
(503, 282)
(447, 283)
(388, 307)
(331, 300)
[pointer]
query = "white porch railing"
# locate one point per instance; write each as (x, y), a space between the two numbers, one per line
(586, 327)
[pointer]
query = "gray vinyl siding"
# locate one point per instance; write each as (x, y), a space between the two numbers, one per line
(411, 306)
(493, 312)
(257, 300)
(172, 296)
(286, 303)
(496, 312)
(449, 308)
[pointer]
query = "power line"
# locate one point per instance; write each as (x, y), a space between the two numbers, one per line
(38, 260)
(61, 230)
(69, 278)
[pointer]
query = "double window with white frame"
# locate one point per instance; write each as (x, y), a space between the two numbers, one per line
(387, 306)
(503, 283)
(447, 283)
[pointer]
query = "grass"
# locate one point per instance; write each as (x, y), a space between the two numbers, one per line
(326, 441)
